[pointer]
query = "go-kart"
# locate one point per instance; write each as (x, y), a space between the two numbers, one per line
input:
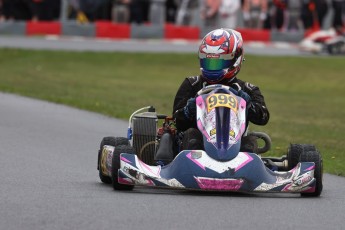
(324, 41)
(136, 160)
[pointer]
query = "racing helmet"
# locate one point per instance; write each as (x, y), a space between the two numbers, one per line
(221, 55)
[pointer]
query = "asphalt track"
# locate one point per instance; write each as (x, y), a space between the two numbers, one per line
(48, 155)
(49, 181)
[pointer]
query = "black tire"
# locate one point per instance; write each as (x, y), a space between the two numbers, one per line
(314, 156)
(295, 151)
(116, 165)
(335, 49)
(330, 49)
(112, 141)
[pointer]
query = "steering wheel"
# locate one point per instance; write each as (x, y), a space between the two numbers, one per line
(209, 88)
(265, 138)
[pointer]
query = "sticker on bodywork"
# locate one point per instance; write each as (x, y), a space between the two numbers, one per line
(221, 100)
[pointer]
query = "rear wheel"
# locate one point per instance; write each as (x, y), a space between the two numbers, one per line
(116, 166)
(112, 141)
(314, 156)
(295, 151)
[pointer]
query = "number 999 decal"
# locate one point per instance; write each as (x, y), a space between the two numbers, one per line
(221, 100)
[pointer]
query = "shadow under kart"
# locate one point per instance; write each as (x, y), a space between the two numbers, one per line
(220, 167)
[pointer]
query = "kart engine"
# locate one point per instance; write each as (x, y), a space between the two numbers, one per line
(144, 127)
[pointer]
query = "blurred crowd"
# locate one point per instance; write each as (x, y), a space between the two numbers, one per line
(283, 15)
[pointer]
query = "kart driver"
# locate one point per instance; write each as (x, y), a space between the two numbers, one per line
(221, 56)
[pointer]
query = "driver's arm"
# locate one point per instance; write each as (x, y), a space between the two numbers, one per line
(185, 92)
(257, 113)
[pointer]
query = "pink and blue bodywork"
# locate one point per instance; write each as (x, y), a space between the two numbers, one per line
(220, 166)
(196, 170)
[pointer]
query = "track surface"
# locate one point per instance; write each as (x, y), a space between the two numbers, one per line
(49, 181)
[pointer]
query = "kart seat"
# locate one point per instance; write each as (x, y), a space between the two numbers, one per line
(165, 154)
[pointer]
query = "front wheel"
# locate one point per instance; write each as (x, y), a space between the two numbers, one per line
(116, 166)
(112, 141)
(295, 151)
(314, 156)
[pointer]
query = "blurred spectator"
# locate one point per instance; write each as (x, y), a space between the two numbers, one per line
(187, 12)
(228, 11)
(308, 9)
(17, 9)
(93, 9)
(278, 15)
(182, 16)
(170, 11)
(104, 10)
(338, 9)
(321, 10)
(2, 17)
(120, 11)
(294, 15)
(210, 12)
(45, 10)
(254, 13)
(286, 15)
(313, 13)
(139, 10)
(90, 10)
(76, 12)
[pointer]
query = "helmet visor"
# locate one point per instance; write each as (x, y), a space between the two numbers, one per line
(215, 64)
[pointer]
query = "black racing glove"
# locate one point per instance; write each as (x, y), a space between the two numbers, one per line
(190, 109)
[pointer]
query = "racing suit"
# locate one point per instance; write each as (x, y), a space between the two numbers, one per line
(257, 111)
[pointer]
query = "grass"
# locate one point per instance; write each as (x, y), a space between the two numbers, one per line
(305, 96)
